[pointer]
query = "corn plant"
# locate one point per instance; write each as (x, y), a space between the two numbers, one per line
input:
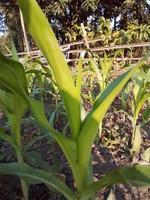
(102, 68)
(139, 87)
(77, 146)
(8, 102)
(141, 95)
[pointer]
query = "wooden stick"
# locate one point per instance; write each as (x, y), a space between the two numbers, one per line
(37, 52)
(125, 46)
(85, 36)
(24, 34)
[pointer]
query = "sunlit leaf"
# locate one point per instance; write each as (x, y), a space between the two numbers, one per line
(44, 37)
(146, 155)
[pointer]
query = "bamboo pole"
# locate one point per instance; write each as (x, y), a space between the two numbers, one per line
(125, 46)
(38, 53)
(85, 36)
(24, 34)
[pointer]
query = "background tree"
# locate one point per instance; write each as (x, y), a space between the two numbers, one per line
(66, 16)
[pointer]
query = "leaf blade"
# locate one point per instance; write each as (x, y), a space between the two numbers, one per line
(45, 39)
(24, 170)
(9, 139)
(136, 175)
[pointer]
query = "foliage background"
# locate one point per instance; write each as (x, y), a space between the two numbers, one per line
(102, 18)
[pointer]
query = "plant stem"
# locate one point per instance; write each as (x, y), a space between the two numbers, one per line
(133, 129)
(16, 130)
(23, 183)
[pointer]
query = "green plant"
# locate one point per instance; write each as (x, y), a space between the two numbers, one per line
(8, 102)
(139, 86)
(141, 95)
(77, 146)
(102, 68)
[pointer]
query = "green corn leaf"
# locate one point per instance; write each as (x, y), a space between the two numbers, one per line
(14, 51)
(68, 145)
(14, 107)
(12, 76)
(45, 39)
(95, 116)
(96, 69)
(99, 76)
(144, 75)
(138, 89)
(52, 117)
(54, 113)
(125, 95)
(138, 175)
(13, 94)
(146, 114)
(38, 112)
(35, 159)
(9, 139)
(106, 64)
(25, 171)
(141, 102)
(12, 79)
(28, 146)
